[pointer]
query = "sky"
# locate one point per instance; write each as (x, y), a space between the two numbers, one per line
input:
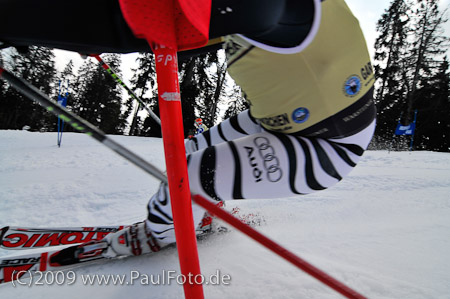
(367, 12)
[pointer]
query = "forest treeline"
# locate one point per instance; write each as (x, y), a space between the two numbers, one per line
(410, 65)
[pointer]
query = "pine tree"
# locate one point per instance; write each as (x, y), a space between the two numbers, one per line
(212, 79)
(67, 76)
(2, 82)
(236, 102)
(36, 65)
(390, 47)
(64, 83)
(203, 85)
(143, 83)
(98, 96)
(433, 130)
(85, 75)
(192, 79)
(150, 128)
(409, 53)
(428, 47)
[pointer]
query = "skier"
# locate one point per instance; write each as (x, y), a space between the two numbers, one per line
(200, 127)
(311, 117)
(304, 66)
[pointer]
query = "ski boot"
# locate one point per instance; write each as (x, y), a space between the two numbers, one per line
(135, 239)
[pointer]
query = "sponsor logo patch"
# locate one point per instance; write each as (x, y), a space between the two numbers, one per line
(352, 86)
(300, 115)
(267, 162)
(275, 121)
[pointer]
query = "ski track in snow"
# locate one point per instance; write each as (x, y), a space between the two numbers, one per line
(384, 230)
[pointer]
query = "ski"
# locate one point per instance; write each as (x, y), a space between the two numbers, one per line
(15, 268)
(87, 245)
(22, 238)
(12, 237)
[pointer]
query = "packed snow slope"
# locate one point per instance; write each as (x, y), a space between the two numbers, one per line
(384, 230)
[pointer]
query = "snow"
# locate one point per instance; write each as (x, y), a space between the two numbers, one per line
(384, 230)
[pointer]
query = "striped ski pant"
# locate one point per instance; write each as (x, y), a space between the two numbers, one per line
(238, 159)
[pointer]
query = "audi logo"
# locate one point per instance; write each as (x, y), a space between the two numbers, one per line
(270, 160)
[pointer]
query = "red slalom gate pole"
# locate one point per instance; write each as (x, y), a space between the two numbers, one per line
(177, 174)
(170, 26)
(278, 249)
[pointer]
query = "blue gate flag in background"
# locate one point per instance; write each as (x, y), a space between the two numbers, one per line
(405, 130)
(62, 100)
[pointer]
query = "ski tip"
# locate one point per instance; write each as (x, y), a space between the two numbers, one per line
(2, 233)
